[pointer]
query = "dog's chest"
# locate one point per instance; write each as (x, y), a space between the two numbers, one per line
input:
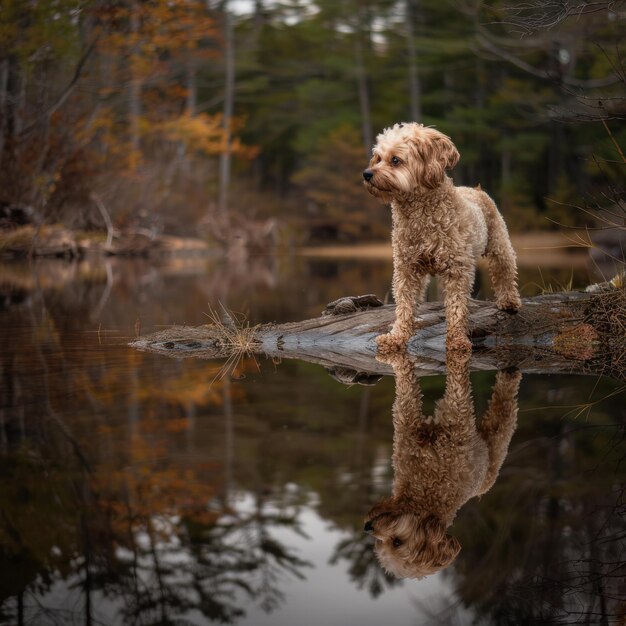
(422, 254)
(431, 242)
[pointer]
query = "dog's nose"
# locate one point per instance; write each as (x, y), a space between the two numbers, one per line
(368, 527)
(367, 174)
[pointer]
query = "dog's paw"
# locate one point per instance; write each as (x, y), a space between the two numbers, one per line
(458, 343)
(510, 304)
(510, 373)
(390, 343)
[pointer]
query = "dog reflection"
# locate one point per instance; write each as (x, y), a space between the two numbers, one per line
(439, 463)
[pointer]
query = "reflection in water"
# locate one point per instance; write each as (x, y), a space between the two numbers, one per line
(110, 511)
(439, 463)
(141, 490)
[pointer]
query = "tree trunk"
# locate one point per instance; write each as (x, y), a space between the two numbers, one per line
(4, 81)
(191, 85)
(505, 174)
(415, 90)
(574, 332)
(229, 101)
(11, 112)
(364, 96)
(134, 87)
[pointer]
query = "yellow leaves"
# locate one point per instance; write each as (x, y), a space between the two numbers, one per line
(156, 39)
(194, 385)
(147, 32)
(198, 384)
(200, 133)
(241, 150)
(147, 485)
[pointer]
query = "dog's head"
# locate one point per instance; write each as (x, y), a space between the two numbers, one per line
(409, 544)
(408, 158)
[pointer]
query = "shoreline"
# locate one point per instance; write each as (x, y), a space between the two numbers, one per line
(535, 248)
(538, 248)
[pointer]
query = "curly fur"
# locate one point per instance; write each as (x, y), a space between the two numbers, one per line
(438, 229)
(439, 463)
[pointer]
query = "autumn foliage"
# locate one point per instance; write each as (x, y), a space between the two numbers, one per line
(129, 98)
(103, 99)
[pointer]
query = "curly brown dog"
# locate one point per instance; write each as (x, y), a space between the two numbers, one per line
(439, 463)
(438, 229)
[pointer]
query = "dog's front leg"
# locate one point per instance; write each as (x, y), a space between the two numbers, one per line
(458, 392)
(457, 283)
(499, 422)
(408, 288)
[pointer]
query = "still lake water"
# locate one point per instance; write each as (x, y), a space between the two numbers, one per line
(139, 489)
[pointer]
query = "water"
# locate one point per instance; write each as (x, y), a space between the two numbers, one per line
(139, 489)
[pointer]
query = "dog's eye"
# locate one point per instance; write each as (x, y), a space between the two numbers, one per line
(395, 160)
(396, 542)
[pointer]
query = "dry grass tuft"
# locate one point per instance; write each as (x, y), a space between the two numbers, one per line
(234, 338)
(549, 288)
(233, 333)
(608, 311)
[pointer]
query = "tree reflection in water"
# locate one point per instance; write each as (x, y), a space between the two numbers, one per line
(547, 546)
(120, 499)
(140, 536)
(94, 507)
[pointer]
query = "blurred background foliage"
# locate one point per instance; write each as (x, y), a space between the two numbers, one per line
(177, 112)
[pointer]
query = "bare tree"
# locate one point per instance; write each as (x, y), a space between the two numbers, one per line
(529, 17)
(134, 86)
(229, 102)
(362, 83)
(415, 88)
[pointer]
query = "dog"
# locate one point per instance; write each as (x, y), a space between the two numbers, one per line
(439, 463)
(438, 229)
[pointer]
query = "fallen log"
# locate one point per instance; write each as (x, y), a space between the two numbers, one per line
(573, 332)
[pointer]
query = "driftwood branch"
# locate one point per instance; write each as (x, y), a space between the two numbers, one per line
(575, 332)
(105, 217)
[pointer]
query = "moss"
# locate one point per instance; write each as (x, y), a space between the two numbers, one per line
(579, 343)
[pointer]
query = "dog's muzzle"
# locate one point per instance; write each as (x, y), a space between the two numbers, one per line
(368, 175)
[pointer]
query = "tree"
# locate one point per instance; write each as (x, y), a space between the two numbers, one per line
(334, 189)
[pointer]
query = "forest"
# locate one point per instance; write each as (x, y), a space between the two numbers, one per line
(200, 118)
(153, 477)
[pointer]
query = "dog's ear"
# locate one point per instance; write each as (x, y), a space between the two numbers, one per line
(437, 154)
(448, 153)
(439, 549)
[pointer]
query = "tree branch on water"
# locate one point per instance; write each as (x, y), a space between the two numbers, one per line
(571, 332)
